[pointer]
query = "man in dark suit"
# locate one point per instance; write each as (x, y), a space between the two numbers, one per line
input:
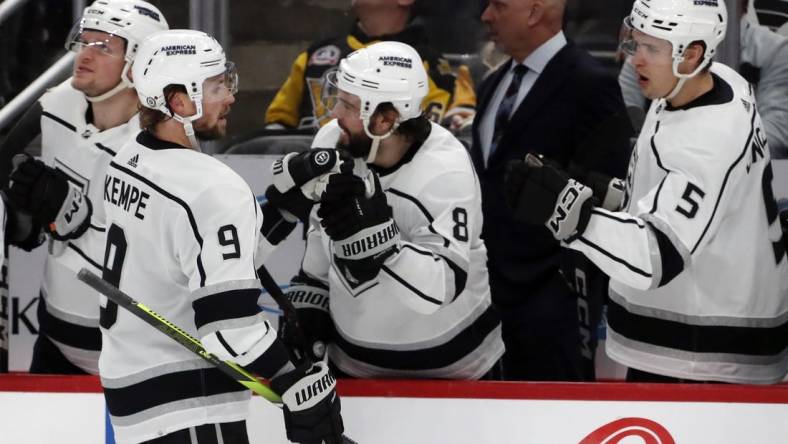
(548, 99)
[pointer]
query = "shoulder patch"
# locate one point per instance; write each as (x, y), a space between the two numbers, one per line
(327, 55)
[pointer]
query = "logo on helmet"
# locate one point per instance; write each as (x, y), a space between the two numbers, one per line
(172, 50)
(147, 12)
(151, 102)
(402, 62)
(706, 3)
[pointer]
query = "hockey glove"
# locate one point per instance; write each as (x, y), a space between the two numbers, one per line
(307, 336)
(312, 410)
(607, 190)
(21, 230)
(50, 198)
(303, 170)
(541, 194)
(363, 231)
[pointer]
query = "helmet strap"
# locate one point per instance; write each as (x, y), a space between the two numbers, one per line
(123, 84)
(373, 150)
(188, 128)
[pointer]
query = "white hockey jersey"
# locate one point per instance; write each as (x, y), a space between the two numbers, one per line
(182, 234)
(697, 263)
(82, 152)
(428, 312)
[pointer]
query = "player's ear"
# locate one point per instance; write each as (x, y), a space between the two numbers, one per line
(180, 103)
(383, 120)
(693, 55)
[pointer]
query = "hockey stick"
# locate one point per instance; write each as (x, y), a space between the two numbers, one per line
(138, 309)
(289, 312)
(229, 368)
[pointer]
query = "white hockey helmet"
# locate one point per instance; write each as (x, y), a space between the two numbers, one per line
(131, 20)
(681, 22)
(383, 72)
(181, 57)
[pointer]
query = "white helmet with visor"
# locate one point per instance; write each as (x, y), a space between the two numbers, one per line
(131, 20)
(680, 22)
(384, 72)
(191, 59)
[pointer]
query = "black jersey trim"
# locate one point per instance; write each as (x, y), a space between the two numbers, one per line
(180, 202)
(423, 210)
(84, 256)
(672, 262)
(720, 93)
(463, 343)
(150, 141)
(659, 164)
(756, 341)
(59, 120)
(233, 304)
(413, 289)
(460, 276)
(271, 362)
(171, 387)
(226, 346)
(64, 332)
(105, 149)
(617, 219)
(421, 252)
(613, 257)
(725, 181)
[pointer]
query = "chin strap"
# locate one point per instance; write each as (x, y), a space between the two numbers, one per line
(188, 129)
(123, 84)
(373, 150)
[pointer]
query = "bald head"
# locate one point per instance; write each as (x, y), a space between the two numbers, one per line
(518, 27)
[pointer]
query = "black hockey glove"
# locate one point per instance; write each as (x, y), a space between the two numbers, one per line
(313, 329)
(305, 170)
(363, 231)
(21, 230)
(608, 190)
(50, 198)
(312, 410)
(541, 194)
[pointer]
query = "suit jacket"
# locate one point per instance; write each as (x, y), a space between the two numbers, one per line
(571, 98)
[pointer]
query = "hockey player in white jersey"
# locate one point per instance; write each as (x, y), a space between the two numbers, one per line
(394, 276)
(184, 236)
(697, 263)
(84, 121)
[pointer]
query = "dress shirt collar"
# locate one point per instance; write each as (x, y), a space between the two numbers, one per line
(537, 60)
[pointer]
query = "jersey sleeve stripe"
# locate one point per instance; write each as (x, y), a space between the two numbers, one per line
(616, 218)
(671, 260)
(180, 202)
(656, 195)
(725, 180)
(405, 284)
(229, 305)
(271, 362)
(613, 257)
(59, 120)
(105, 149)
(84, 256)
(226, 346)
(423, 210)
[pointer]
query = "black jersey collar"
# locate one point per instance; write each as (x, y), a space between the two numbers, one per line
(720, 93)
(145, 138)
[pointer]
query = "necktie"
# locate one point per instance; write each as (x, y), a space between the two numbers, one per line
(505, 108)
